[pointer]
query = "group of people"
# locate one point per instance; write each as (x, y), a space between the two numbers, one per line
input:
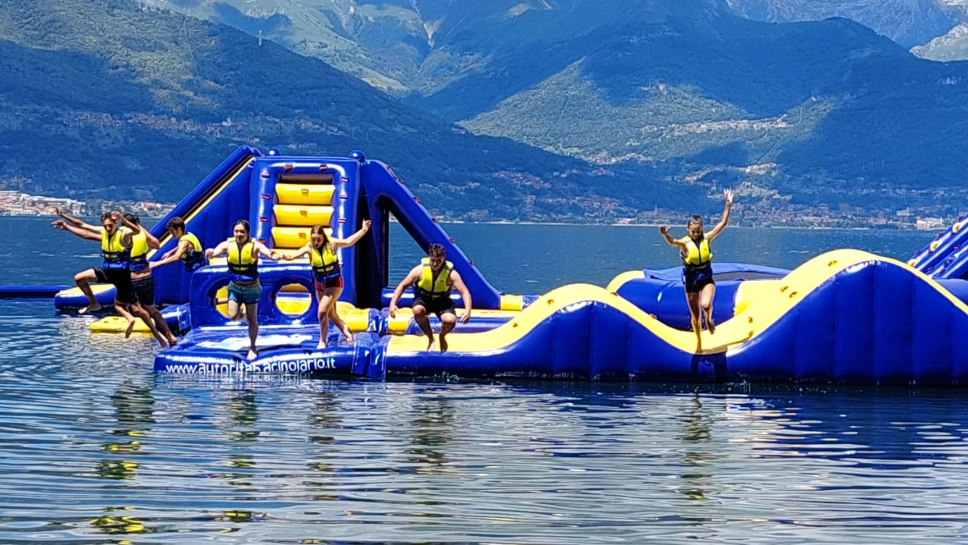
(125, 246)
(124, 249)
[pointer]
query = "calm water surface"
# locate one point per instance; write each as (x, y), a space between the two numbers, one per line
(94, 448)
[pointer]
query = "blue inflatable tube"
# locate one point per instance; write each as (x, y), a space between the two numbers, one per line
(31, 292)
(282, 350)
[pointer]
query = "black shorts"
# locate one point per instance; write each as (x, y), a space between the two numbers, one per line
(144, 288)
(121, 279)
(435, 305)
(696, 279)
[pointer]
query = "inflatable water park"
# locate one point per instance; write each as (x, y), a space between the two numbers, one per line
(844, 317)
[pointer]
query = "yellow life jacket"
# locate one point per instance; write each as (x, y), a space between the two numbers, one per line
(115, 255)
(194, 258)
(139, 251)
(431, 286)
(696, 256)
(325, 264)
(243, 261)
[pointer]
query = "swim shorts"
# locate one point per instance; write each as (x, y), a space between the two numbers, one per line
(335, 282)
(144, 288)
(245, 294)
(696, 279)
(121, 280)
(436, 305)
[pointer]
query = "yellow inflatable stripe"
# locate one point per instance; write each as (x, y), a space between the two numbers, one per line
(751, 291)
(117, 324)
(302, 215)
(96, 288)
(292, 238)
(622, 278)
(512, 302)
(302, 194)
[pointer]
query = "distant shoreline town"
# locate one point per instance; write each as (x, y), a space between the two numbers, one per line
(15, 203)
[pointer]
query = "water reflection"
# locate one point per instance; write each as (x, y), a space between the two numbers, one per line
(323, 421)
(242, 415)
(873, 430)
(697, 432)
(431, 429)
(134, 405)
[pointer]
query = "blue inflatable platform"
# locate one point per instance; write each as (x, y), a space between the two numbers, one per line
(845, 317)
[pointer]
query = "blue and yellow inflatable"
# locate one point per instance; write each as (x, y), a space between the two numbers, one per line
(845, 317)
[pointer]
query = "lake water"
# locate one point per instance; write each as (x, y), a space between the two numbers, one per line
(95, 448)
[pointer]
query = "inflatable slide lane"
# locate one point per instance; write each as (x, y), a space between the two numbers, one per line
(387, 194)
(938, 254)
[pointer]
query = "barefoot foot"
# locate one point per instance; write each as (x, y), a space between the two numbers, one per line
(321, 345)
(90, 308)
(443, 344)
(430, 345)
(172, 340)
(129, 328)
(252, 354)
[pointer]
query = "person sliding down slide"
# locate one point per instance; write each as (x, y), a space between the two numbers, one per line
(327, 277)
(432, 283)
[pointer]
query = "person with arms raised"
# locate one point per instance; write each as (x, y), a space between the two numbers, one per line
(327, 278)
(142, 242)
(697, 270)
(115, 268)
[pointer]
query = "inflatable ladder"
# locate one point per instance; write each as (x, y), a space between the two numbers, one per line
(299, 205)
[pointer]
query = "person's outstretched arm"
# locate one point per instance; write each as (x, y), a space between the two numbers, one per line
(261, 249)
(218, 250)
(352, 239)
(78, 231)
(669, 240)
(465, 295)
(728, 194)
(172, 255)
(76, 222)
(411, 277)
(289, 256)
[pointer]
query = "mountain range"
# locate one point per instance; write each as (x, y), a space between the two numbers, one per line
(587, 109)
(122, 100)
(697, 91)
